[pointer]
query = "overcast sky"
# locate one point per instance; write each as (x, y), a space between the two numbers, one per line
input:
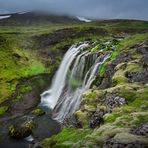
(135, 9)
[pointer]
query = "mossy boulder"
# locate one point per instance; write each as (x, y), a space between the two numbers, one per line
(82, 117)
(21, 131)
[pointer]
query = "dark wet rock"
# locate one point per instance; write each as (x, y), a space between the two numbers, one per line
(141, 76)
(113, 101)
(105, 83)
(111, 143)
(143, 49)
(21, 128)
(96, 118)
(144, 61)
(63, 34)
(71, 121)
(142, 130)
(36, 145)
(124, 56)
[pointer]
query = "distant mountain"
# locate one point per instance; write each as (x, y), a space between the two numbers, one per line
(35, 18)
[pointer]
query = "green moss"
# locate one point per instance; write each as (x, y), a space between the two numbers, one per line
(82, 117)
(133, 114)
(98, 47)
(110, 118)
(89, 97)
(3, 110)
(25, 88)
(15, 64)
(125, 138)
(132, 40)
(125, 44)
(114, 55)
(133, 66)
(132, 120)
(119, 77)
(66, 138)
(38, 112)
(21, 90)
(103, 69)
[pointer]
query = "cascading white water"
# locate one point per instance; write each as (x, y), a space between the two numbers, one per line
(76, 74)
(50, 97)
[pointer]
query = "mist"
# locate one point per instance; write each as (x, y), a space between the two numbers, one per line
(100, 9)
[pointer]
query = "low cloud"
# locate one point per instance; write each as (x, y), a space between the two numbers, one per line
(108, 9)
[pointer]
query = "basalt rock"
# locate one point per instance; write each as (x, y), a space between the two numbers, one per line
(96, 118)
(142, 130)
(114, 144)
(141, 76)
(113, 101)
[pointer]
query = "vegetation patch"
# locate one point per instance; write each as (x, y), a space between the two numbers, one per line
(70, 135)
(3, 110)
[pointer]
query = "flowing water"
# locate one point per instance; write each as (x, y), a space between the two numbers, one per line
(78, 69)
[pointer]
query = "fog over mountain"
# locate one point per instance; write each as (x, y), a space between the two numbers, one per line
(107, 9)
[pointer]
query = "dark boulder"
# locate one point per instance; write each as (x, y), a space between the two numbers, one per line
(21, 129)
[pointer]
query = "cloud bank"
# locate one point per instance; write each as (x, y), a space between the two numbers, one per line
(106, 9)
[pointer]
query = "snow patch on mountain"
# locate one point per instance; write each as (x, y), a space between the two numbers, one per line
(4, 17)
(83, 19)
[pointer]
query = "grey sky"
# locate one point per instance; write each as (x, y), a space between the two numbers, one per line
(135, 9)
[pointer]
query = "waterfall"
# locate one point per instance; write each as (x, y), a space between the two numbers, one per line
(75, 75)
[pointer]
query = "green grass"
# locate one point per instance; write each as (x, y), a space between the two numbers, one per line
(132, 40)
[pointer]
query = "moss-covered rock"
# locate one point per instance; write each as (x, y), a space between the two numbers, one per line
(82, 117)
(21, 131)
